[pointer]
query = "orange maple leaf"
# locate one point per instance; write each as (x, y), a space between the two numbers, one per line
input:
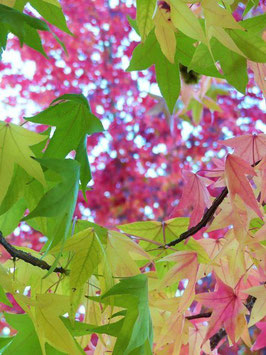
(237, 183)
(227, 305)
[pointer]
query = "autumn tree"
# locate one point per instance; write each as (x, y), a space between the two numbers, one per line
(134, 285)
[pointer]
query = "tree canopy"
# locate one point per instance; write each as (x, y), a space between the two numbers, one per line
(148, 120)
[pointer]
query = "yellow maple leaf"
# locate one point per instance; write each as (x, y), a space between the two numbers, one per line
(49, 326)
(259, 309)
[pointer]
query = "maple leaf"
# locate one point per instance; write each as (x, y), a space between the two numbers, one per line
(250, 147)
(226, 304)
(49, 326)
(259, 70)
(217, 172)
(195, 195)
(164, 31)
(175, 324)
(15, 143)
(185, 20)
(26, 341)
(259, 309)
(145, 10)
(235, 170)
(86, 248)
(71, 114)
(196, 337)
(186, 267)
(136, 332)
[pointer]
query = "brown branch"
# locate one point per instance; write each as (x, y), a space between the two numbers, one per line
(28, 258)
(205, 219)
(200, 315)
(216, 338)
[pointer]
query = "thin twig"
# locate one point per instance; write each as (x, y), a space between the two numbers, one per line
(27, 257)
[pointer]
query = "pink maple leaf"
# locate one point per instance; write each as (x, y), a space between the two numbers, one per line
(262, 169)
(235, 170)
(195, 195)
(250, 147)
(218, 171)
(261, 339)
(226, 304)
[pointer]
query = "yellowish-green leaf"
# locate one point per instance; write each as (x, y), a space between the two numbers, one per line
(217, 16)
(223, 37)
(121, 262)
(49, 326)
(193, 245)
(15, 142)
(87, 255)
(164, 31)
(211, 104)
(154, 233)
(145, 10)
(185, 20)
(259, 309)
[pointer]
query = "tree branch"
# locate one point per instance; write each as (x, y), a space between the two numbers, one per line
(200, 315)
(205, 219)
(28, 258)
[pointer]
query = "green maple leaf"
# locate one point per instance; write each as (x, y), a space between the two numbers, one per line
(23, 26)
(26, 341)
(85, 171)
(15, 143)
(234, 66)
(52, 12)
(3, 297)
(59, 202)
(72, 117)
(10, 219)
(135, 336)
(167, 74)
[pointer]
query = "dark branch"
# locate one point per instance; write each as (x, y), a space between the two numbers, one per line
(28, 258)
(200, 315)
(208, 215)
(216, 338)
(205, 219)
